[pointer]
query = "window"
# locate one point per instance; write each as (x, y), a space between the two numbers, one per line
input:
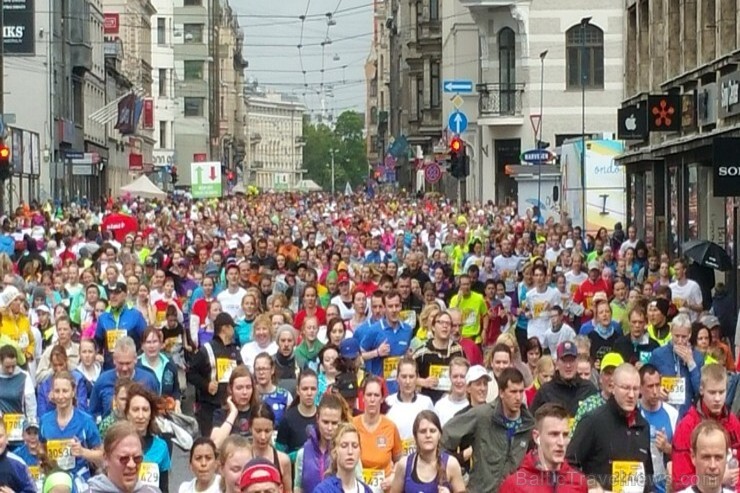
(193, 70)
(161, 31)
(193, 33)
(163, 82)
(507, 70)
(193, 106)
(192, 3)
(434, 85)
(433, 10)
(585, 57)
(163, 134)
(419, 98)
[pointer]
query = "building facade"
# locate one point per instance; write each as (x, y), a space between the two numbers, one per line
(275, 126)
(377, 76)
(497, 44)
(163, 94)
(421, 72)
(681, 60)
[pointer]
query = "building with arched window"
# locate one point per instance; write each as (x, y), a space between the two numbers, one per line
(534, 65)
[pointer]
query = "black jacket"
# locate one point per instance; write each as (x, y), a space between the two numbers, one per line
(603, 437)
(633, 353)
(199, 373)
(568, 393)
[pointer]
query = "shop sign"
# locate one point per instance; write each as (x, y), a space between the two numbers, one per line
(706, 104)
(729, 95)
(726, 166)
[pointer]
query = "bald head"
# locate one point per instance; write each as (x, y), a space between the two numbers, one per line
(626, 386)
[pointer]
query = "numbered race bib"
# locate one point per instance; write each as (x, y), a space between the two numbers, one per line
(408, 317)
(224, 367)
(14, 426)
(38, 478)
(442, 374)
(409, 446)
(149, 474)
(676, 388)
(112, 336)
(60, 451)
(628, 477)
(373, 478)
(390, 367)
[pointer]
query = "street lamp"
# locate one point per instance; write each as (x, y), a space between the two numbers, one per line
(332, 151)
(584, 24)
(538, 140)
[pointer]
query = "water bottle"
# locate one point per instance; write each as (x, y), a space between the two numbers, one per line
(733, 463)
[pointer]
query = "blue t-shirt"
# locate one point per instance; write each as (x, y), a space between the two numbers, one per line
(398, 339)
(278, 400)
(156, 461)
(58, 441)
(663, 419)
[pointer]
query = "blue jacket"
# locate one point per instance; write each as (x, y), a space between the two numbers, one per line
(670, 365)
(334, 485)
(101, 400)
(129, 319)
(14, 474)
(169, 385)
(7, 245)
(44, 405)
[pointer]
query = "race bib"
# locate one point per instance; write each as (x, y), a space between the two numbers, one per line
(409, 446)
(390, 367)
(37, 477)
(628, 477)
(112, 336)
(408, 317)
(373, 478)
(60, 451)
(538, 308)
(224, 367)
(676, 388)
(13, 426)
(509, 280)
(23, 341)
(442, 374)
(149, 474)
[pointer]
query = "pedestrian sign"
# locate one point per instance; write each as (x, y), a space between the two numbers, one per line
(205, 180)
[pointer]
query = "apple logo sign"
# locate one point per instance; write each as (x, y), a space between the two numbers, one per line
(630, 123)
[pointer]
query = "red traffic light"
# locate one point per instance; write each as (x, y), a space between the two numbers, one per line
(456, 144)
(230, 175)
(4, 152)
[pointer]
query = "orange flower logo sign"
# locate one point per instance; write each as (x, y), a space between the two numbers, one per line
(663, 114)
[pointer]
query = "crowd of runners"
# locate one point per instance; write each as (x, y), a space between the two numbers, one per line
(305, 343)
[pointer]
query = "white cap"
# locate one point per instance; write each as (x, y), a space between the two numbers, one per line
(569, 243)
(475, 373)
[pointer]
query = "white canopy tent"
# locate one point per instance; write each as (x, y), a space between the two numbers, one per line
(143, 187)
(308, 186)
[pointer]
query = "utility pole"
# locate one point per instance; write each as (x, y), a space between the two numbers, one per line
(2, 92)
(538, 139)
(584, 23)
(332, 172)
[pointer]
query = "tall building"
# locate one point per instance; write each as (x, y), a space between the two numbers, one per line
(275, 126)
(421, 74)
(164, 101)
(681, 103)
(377, 76)
(497, 45)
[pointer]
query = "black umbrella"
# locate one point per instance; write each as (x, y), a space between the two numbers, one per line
(707, 254)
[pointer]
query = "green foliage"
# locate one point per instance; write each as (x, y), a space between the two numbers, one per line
(348, 142)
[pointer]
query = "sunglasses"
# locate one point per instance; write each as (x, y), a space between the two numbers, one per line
(124, 461)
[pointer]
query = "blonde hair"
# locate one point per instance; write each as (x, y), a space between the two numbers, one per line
(427, 314)
(342, 429)
(231, 445)
(543, 364)
(266, 321)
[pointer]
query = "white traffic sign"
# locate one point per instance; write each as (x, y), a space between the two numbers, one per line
(205, 180)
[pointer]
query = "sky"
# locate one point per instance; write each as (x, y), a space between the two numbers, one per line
(273, 31)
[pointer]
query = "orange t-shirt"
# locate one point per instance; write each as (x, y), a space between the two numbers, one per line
(379, 446)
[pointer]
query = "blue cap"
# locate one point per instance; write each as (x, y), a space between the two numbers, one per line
(349, 348)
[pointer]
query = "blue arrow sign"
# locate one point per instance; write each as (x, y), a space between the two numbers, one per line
(457, 122)
(458, 86)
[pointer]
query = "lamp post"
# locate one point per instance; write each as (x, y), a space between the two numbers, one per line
(584, 24)
(332, 171)
(538, 140)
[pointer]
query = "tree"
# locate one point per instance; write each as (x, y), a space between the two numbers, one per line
(348, 143)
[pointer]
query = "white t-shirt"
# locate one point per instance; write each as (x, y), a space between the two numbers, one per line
(539, 304)
(232, 303)
(446, 408)
(189, 486)
(573, 281)
(404, 413)
(507, 268)
(553, 339)
(251, 349)
(689, 293)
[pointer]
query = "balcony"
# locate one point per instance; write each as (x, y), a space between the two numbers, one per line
(500, 104)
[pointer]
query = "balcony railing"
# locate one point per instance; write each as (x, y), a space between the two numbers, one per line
(500, 99)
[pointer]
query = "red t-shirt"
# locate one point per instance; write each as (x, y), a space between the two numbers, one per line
(320, 314)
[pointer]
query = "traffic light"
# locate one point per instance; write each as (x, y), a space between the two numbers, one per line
(459, 167)
(230, 176)
(5, 166)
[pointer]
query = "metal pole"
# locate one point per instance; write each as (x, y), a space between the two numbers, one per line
(584, 22)
(539, 139)
(2, 93)
(332, 173)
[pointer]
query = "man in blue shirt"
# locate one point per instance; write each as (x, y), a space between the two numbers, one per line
(118, 322)
(124, 360)
(387, 342)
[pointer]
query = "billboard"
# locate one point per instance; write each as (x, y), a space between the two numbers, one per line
(19, 33)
